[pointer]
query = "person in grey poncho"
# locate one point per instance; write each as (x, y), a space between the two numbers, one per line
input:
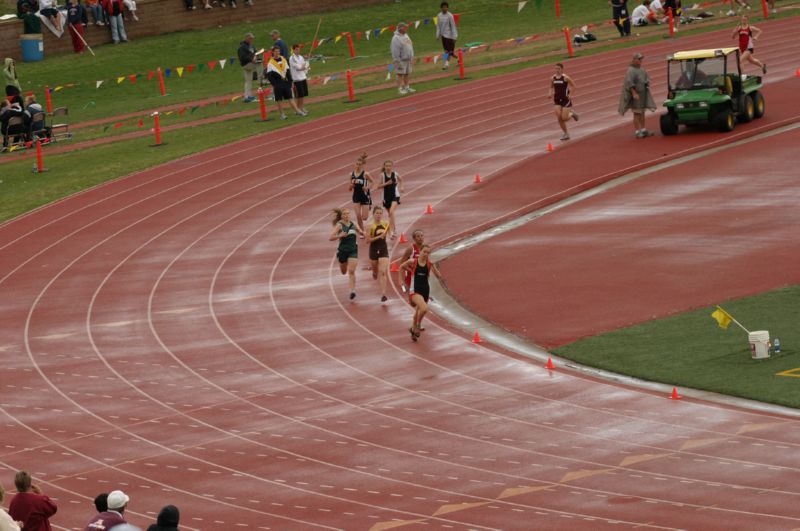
(636, 95)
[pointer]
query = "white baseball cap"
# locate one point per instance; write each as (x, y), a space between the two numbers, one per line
(117, 499)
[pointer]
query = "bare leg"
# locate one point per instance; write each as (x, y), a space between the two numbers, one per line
(359, 220)
(300, 104)
(374, 268)
(343, 267)
(392, 222)
(383, 275)
(352, 264)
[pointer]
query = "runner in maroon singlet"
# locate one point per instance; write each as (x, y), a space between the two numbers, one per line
(561, 85)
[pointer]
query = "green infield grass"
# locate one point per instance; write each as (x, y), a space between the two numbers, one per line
(690, 350)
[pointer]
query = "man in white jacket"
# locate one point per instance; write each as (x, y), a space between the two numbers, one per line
(402, 55)
(446, 29)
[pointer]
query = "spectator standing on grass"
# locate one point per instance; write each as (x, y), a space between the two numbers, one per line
(447, 30)
(299, 68)
(6, 522)
(117, 502)
(636, 95)
(278, 76)
(622, 19)
(30, 506)
(77, 21)
(276, 37)
(247, 58)
(11, 81)
(168, 519)
(115, 10)
(403, 55)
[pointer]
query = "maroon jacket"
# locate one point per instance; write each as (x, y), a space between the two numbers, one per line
(109, 5)
(33, 510)
(104, 521)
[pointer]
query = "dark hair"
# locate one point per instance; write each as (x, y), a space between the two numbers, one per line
(101, 502)
(560, 65)
(276, 47)
(296, 45)
(383, 168)
(418, 231)
(444, 4)
(22, 481)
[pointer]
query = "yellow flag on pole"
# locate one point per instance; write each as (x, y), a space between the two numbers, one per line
(722, 317)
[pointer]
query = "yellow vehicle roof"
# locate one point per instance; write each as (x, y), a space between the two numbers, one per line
(702, 54)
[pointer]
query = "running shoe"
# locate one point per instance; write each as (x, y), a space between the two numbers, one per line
(565, 136)
(352, 295)
(764, 69)
(384, 298)
(575, 116)
(283, 116)
(402, 90)
(410, 90)
(414, 336)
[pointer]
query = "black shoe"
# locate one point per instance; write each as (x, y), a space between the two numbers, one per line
(352, 295)
(384, 298)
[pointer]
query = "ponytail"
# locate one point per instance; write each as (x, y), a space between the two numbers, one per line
(337, 215)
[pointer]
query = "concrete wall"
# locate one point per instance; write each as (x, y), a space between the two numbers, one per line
(165, 16)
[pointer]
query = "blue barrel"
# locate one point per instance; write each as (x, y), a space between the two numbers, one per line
(32, 47)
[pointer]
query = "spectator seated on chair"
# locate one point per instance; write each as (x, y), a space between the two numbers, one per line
(7, 112)
(36, 117)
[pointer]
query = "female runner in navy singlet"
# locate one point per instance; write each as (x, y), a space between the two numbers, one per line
(360, 184)
(392, 186)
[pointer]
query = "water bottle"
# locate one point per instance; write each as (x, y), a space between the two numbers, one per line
(776, 345)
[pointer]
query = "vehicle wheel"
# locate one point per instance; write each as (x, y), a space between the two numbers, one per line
(669, 124)
(724, 120)
(759, 105)
(748, 110)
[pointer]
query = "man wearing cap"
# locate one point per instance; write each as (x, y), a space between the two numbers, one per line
(402, 55)
(636, 95)
(117, 502)
(247, 58)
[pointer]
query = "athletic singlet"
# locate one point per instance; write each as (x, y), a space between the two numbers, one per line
(390, 192)
(414, 256)
(349, 242)
(419, 279)
(560, 90)
(359, 182)
(745, 39)
(381, 242)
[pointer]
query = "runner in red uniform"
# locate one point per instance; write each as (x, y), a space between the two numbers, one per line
(560, 87)
(747, 36)
(420, 269)
(417, 239)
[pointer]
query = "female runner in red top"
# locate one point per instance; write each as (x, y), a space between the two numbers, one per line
(747, 35)
(419, 291)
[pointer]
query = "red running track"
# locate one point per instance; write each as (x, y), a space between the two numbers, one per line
(181, 334)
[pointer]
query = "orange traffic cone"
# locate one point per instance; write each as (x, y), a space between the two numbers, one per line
(395, 268)
(403, 238)
(675, 395)
(476, 338)
(549, 147)
(550, 365)
(797, 73)
(429, 210)
(477, 178)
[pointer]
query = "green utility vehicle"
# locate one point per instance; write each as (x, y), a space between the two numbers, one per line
(707, 86)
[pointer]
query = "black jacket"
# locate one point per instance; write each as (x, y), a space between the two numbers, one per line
(168, 519)
(247, 53)
(76, 14)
